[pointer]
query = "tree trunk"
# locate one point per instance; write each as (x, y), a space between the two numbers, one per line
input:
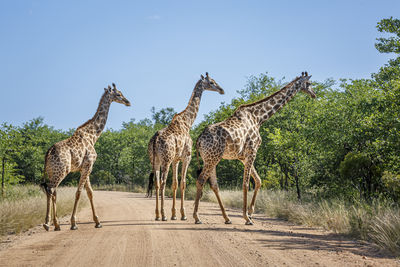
(296, 178)
(2, 179)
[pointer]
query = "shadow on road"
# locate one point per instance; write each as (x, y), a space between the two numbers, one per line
(301, 241)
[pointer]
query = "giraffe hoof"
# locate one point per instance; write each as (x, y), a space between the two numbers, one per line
(74, 227)
(173, 218)
(228, 222)
(98, 225)
(157, 218)
(183, 218)
(164, 219)
(46, 227)
(249, 223)
(57, 228)
(198, 222)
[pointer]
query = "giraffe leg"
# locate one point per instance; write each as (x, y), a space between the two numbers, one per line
(55, 221)
(163, 182)
(89, 192)
(199, 186)
(175, 166)
(214, 187)
(157, 174)
(46, 225)
(84, 177)
(203, 177)
(185, 165)
(246, 177)
(77, 196)
(164, 175)
(257, 181)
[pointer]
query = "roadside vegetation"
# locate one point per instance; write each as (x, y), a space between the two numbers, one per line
(24, 207)
(332, 162)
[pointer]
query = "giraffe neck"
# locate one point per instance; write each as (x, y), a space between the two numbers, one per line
(267, 107)
(95, 126)
(188, 115)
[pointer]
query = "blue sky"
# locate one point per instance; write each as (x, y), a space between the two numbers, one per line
(57, 56)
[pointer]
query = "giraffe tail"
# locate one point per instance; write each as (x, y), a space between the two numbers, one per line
(150, 185)
(151, 176)
(45, 188)
(44, 185)
(199, 168)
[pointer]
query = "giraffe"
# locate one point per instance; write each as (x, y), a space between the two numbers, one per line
(77, 153)
(174, 144)
(238, 138)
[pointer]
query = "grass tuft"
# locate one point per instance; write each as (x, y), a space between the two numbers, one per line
(385, 231)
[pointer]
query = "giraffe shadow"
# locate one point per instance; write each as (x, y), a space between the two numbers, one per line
(220, 214)
(284, 240)
(132, 223)
(145, 224)
(272, 221)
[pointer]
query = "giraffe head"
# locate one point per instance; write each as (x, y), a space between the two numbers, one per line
(116, 96)
(304, 84)
(209, 84)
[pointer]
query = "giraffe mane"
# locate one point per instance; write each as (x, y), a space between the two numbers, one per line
(91, 120)
(269, 97)
(186, 107)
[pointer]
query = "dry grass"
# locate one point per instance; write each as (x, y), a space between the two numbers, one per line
(376, 222)
(386, 231)
(25, 207)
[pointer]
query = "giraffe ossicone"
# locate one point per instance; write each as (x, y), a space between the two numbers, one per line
(77, 153)
(172, 145)
(238, 138)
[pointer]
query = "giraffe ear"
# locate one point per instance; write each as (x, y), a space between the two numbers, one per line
(201, 76)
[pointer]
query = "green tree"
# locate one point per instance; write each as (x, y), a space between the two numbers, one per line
(163, 116)
(388, 80)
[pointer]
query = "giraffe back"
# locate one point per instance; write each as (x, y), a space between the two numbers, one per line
(228, 139)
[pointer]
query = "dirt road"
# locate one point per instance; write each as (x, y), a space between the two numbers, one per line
(131, 237)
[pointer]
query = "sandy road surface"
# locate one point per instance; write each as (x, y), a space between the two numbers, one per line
(131, 237)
